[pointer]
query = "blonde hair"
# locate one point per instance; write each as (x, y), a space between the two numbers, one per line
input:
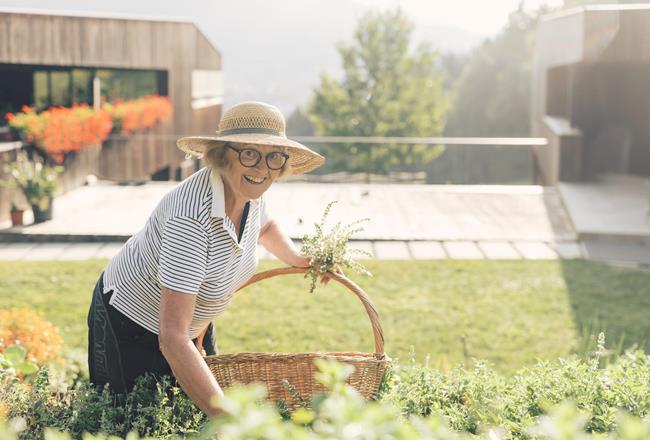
(215, 157)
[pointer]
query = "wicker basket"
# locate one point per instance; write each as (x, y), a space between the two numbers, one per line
(275, 369)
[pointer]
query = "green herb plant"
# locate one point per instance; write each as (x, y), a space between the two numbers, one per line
(37, 181)
(329, 250)
(13, 361)
(566, 399)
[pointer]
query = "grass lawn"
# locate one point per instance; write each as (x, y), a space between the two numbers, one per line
(508, 312)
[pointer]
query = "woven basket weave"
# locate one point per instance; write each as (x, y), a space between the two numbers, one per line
(298, 369)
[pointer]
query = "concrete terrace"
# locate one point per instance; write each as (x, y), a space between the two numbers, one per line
(406, 221)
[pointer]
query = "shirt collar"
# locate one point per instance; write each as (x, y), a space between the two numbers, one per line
(218, 196)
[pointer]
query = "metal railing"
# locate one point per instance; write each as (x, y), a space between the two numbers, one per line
(465, 160)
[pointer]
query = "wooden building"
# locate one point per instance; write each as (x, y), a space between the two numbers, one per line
(51, 59)
(591, 93)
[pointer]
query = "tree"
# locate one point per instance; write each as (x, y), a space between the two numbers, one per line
(385, 91)
(493, 92)
(298, 123)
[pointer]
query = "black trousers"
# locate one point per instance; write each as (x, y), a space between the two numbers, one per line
(120, 350)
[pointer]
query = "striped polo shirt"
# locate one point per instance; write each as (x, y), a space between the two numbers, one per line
(188, 245)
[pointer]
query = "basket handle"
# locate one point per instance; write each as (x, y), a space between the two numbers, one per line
(354, 288)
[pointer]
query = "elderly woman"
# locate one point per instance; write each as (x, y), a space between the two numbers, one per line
(172, 278)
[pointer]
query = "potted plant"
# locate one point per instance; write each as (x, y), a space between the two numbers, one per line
(37, 181)
(16, 215)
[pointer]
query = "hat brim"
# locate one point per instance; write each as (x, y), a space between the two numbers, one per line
(301, 158)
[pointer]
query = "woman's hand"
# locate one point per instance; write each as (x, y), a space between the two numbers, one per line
(327, 275)
(304, 261)
(273, 238)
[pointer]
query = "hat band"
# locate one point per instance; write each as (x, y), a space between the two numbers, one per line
(251, 130)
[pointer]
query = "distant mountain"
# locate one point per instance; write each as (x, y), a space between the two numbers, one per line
(272, 51)
(282, 60)
(448, 38)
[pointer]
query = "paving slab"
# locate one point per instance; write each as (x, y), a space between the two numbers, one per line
(499, 250)
(109, 250)
(535, 250)
(568, 251)
(81, 251)
(605, 250)
(463, 250)
(427, 250)
(15, 251)
(46, 251)
(391, 250)
(614, 204)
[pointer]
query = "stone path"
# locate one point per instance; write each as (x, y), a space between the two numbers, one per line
(493, 222)
(388, 250)
(396, 212)
(614, 206)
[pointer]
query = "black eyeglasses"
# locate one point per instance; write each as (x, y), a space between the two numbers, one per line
(249, 158)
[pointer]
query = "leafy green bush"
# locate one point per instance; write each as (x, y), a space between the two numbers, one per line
(566, 399)
(13, 360)
(479, 399)
(153, 408)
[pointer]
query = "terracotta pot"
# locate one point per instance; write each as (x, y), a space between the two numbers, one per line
(17, 217)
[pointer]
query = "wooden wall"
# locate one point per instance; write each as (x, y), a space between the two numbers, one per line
(592, 67)
(177, 47)
(613, 96)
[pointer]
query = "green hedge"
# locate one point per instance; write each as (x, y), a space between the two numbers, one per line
(476, 400)
(415, 402)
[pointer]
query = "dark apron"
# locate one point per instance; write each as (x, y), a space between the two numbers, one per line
(119, 350)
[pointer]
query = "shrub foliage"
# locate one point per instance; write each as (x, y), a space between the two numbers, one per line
(566, 399)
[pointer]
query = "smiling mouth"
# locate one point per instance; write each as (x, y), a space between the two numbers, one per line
(254, 180)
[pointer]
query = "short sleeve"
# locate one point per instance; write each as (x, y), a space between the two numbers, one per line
(183, 255)
(264, 212)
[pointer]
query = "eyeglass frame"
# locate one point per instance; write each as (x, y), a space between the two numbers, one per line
(259, 157)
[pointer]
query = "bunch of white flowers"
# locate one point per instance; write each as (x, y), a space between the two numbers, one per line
(327, 250)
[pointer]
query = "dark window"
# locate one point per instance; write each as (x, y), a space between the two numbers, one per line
(60, 88)
(41, 90)
(47, 86)
(82, 86)
(127, 84)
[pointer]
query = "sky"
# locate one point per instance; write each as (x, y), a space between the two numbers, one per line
(278, 50)
(486, 16)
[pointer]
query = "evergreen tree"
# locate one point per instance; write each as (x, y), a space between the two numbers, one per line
(387, 90)
(492, 96)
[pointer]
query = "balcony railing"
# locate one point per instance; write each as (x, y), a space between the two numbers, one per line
(465, 160)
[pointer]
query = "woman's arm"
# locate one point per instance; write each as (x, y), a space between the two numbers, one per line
(191, 372)
(274, 239)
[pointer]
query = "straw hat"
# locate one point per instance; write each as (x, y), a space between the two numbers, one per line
(255, 123)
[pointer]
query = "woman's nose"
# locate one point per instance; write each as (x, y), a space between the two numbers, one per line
(262, 166)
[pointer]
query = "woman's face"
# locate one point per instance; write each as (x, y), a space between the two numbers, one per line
(250, 182)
